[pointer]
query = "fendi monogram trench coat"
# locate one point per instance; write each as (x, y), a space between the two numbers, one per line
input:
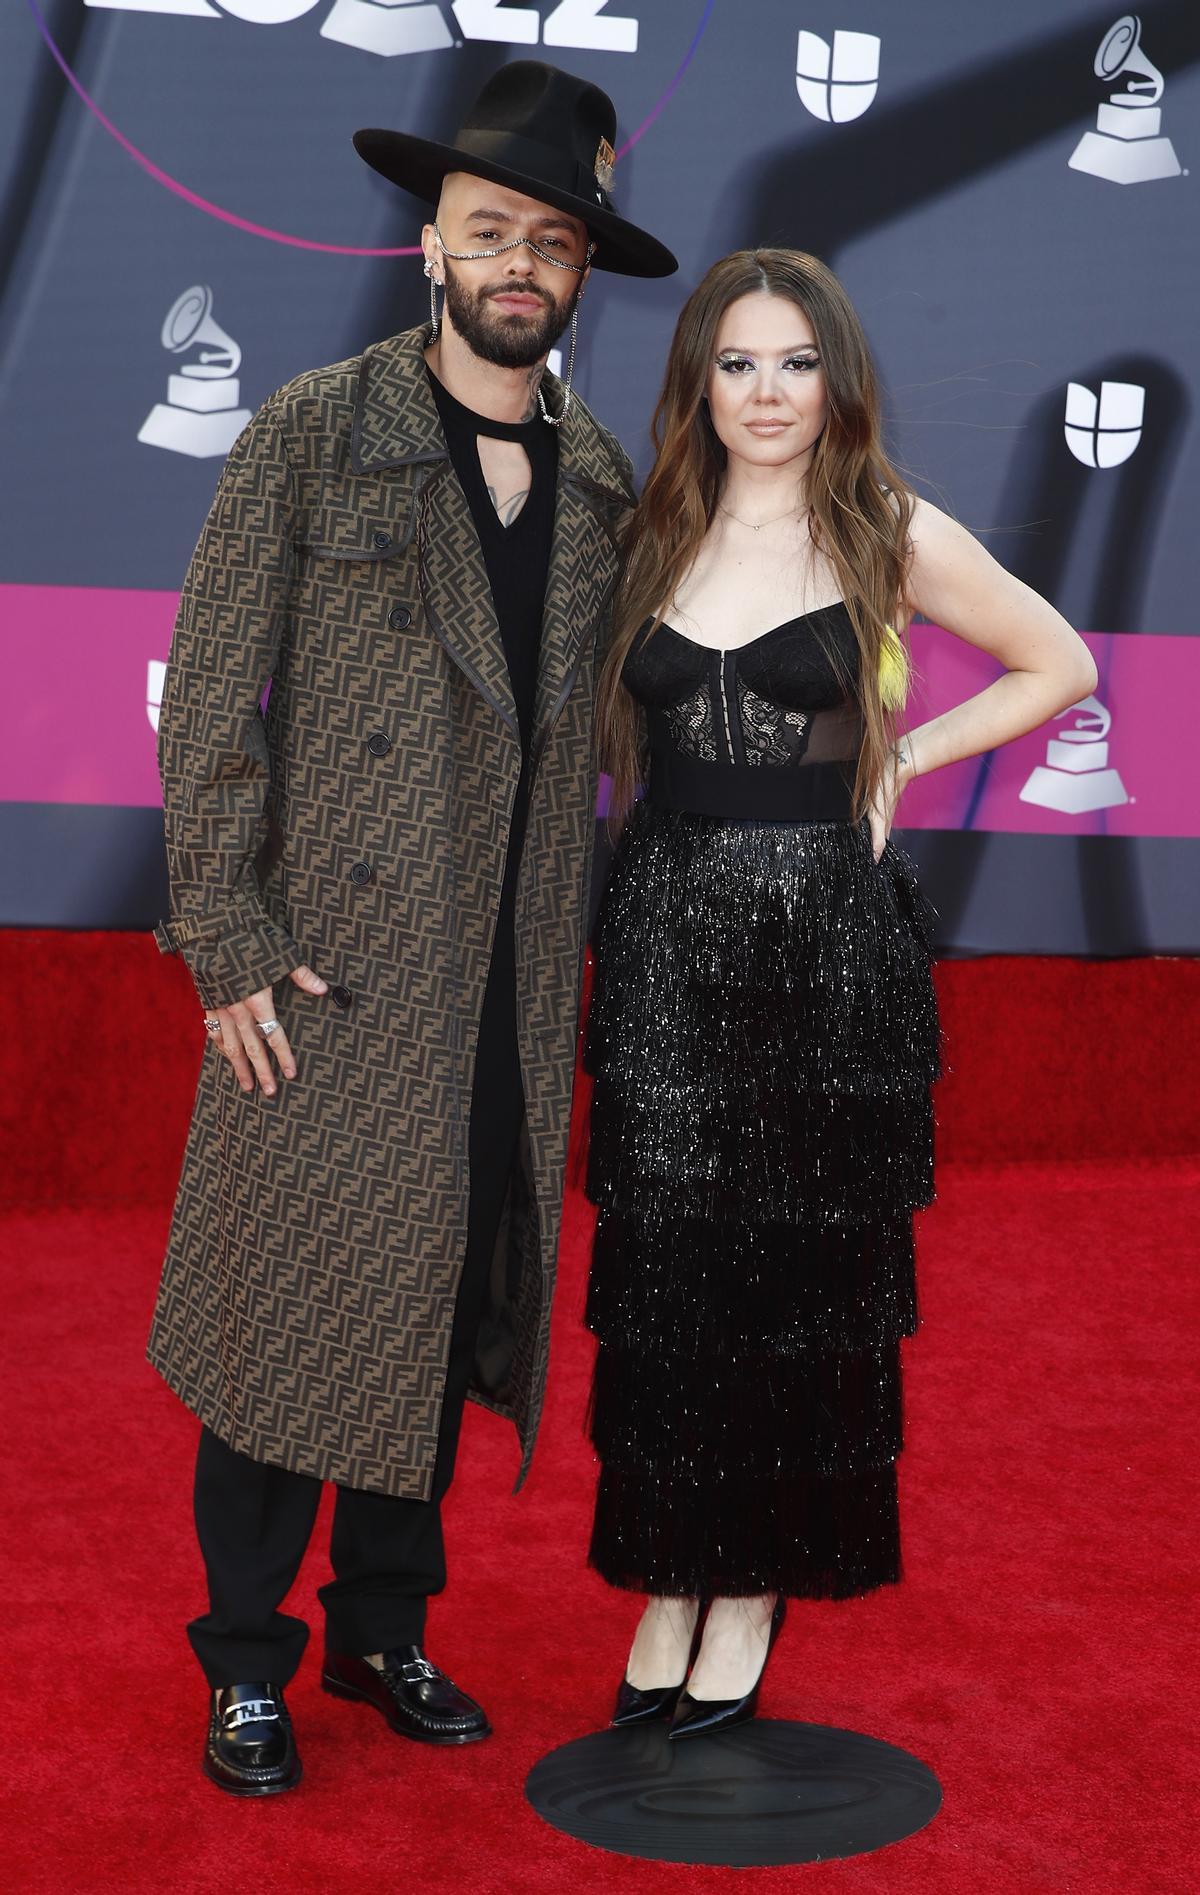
(358, 822)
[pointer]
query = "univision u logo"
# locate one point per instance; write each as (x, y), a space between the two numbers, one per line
(1104, 432)
(838, 82)
(156, 677)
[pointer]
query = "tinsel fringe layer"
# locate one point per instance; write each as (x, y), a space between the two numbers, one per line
(687, 1289)
(722, 1533)
(779, 1155)
(762, 1413)
(763, 1028)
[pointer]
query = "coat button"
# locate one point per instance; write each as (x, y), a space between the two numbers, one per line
(341, 997)
(360, 873)
(399, 617)
(381, 540)
(379, 743)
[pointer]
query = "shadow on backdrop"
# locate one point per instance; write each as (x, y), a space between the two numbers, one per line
(1089, 542)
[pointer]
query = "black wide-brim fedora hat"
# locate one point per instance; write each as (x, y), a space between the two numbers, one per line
(544, 133)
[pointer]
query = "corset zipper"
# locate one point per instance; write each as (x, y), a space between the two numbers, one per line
(726, 665)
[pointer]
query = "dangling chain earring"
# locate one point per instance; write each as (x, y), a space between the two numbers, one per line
(434, 318)
(556, 421)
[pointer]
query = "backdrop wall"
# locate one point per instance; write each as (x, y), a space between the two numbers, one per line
(1006, 192)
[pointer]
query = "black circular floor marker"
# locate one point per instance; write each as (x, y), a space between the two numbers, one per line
(768, 1792)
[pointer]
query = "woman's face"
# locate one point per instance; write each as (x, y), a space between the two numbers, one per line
(766, 386)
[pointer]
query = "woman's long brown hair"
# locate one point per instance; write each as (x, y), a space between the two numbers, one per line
(859, 510)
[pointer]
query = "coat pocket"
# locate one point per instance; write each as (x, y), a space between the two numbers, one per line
(360, 518)
(358, 535)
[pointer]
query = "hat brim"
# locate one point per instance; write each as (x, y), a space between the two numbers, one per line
(420, 165)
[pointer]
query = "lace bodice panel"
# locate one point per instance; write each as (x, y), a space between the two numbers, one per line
(776, 702)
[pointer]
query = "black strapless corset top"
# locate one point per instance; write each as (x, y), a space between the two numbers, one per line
(767, 732)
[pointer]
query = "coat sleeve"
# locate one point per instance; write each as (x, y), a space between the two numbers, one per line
(212, 745)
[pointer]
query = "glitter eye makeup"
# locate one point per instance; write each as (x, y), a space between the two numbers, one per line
(735, 364)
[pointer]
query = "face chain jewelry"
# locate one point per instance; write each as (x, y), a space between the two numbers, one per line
(479, 256)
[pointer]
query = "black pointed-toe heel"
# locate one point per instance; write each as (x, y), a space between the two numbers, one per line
(699, 1717)
(635, 1706)
(643, 1707)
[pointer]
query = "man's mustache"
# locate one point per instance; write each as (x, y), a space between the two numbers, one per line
(518, 289)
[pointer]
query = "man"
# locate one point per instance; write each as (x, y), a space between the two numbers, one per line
(380, 885)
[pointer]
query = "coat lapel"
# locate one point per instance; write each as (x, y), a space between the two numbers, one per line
(396, 424)
(456, 593)
(583, 568)
(583, 558)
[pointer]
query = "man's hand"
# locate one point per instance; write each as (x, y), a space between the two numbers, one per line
(242, 1041)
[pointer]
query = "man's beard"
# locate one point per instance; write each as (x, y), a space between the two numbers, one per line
(508, 341)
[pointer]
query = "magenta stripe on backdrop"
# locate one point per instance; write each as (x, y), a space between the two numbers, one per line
(84, 669)
(1132, 775)
(77, 667)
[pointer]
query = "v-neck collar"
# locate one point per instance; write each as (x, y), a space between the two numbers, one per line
(463, 428)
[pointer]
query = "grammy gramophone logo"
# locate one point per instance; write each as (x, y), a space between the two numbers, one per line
(201, 415)
(1076, 776)
(1127, 146)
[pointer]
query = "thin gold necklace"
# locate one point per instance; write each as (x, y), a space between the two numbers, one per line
(773, 521)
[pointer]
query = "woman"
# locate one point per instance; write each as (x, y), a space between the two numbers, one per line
(763, 1031)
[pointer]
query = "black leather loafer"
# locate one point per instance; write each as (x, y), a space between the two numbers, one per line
(250, 1750)
(415, 1698)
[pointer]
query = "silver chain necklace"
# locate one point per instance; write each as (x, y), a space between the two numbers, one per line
(774, 521)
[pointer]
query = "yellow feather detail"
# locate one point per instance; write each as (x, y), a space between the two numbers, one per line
(893, 672)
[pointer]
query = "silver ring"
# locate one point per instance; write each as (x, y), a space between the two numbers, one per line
(213, 1026)
(267, 1027)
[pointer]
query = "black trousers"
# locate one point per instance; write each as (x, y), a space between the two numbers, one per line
(254, 1521)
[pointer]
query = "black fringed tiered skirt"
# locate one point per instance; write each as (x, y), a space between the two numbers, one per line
(763, 1035)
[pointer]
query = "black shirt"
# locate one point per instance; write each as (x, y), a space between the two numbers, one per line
(517, 557)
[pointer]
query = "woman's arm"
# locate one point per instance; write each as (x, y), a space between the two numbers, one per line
(955, 583)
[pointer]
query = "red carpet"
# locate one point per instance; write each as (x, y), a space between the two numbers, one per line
(1034, 1656)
